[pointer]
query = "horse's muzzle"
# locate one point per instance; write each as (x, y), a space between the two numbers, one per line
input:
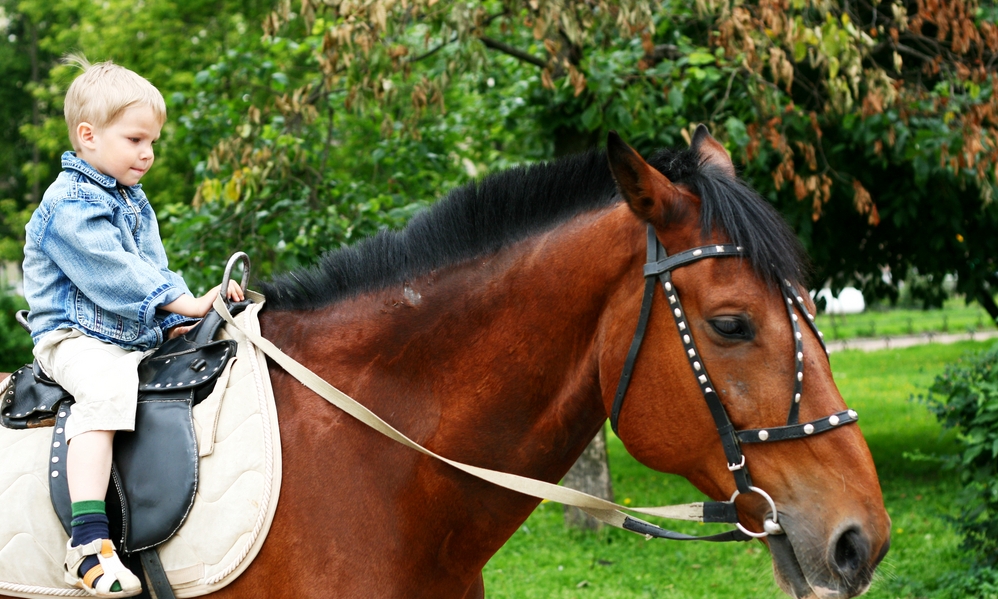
(845, 570)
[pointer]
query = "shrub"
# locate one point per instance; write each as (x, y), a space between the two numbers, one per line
(15, 343)
(965, 398)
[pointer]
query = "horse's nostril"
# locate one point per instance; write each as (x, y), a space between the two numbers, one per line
(851, 552)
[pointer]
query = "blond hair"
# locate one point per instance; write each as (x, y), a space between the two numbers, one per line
(103, 92)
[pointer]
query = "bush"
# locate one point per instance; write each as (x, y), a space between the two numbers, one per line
(15, 343)
(965, 398)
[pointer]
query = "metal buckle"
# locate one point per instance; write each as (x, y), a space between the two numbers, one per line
(733, 467)
(770, 525)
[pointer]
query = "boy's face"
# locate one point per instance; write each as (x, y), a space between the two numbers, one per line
(124, 148)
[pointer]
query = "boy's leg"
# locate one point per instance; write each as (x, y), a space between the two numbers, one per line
(88, 471)
(88, 465)
(103, 379)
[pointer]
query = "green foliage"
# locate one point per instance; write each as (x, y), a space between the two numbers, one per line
(965, 398)
(15, 342)
(980, 582)
(302, 174)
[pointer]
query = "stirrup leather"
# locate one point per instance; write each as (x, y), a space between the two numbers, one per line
(109, 568)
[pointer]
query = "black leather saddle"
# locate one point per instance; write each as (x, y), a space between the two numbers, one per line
(154, 472)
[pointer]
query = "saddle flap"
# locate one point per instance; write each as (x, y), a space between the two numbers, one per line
(29, 401)
(185, 369)
(153, 476)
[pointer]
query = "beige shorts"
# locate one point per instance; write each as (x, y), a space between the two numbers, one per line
(102, 377)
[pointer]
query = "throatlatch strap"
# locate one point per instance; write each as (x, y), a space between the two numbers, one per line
(632, 354)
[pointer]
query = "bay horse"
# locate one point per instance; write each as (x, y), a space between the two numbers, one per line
(493, 330)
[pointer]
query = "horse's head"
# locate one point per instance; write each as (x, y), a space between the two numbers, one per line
(731, 327)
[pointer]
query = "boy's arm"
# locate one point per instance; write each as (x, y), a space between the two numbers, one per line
(84, 243)
(197, 307)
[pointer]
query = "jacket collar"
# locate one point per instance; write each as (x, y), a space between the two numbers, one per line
(70, 161)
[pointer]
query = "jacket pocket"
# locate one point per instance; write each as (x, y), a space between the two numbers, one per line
(105, 324)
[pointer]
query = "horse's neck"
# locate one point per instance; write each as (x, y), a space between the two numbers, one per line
(484, 360)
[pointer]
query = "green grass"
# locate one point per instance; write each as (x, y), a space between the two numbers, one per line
(953, 317)
(545, 560)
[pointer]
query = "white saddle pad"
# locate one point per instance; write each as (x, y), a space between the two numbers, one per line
(239, 480)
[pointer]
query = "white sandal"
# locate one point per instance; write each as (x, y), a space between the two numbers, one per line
(109, 568)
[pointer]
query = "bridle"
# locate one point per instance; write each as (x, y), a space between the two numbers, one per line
(659, 266)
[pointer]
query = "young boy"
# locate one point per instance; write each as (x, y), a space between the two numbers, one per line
(101, 295)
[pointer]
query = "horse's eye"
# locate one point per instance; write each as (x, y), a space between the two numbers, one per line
(732, 328)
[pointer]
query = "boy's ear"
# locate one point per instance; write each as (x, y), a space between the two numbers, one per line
(85, 135)
(647, 191)
(711, 151)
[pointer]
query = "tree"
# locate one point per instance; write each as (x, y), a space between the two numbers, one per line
(823, 103)
(879, 123)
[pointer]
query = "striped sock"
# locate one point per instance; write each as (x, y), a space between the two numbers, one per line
(90, 523)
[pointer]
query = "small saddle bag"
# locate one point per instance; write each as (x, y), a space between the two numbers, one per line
(31, 399)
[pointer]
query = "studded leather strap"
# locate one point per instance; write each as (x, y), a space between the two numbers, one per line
(798, 431)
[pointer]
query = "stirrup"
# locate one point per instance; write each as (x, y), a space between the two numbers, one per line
(109, 568)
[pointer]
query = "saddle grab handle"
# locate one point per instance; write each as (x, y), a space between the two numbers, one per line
(21, 316)
(237, 257)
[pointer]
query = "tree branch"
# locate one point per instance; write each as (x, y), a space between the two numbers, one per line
(727, 93)
(434, 50)
(912, 52)
(514, 52)
(437, 48)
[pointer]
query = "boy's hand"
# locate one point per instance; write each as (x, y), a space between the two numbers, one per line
(178, 331)
(235, 292)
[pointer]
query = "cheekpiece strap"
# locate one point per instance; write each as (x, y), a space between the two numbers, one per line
(792, 417)
(793, 295)
(661, 268)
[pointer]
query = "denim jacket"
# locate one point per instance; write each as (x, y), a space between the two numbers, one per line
(94, 261)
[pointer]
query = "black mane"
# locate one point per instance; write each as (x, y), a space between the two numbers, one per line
(480, 218)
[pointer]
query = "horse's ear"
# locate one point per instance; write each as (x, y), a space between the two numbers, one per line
(647, 191)
(710, 151)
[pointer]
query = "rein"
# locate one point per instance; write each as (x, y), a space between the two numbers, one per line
(659, 266)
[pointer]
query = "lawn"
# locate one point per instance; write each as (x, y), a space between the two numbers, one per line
(544, 560)
(954, 317)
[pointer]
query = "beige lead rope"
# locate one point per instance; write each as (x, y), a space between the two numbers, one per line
(601, 509)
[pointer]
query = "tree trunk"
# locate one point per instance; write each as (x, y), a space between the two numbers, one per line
(987, 302)
(590, 474)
